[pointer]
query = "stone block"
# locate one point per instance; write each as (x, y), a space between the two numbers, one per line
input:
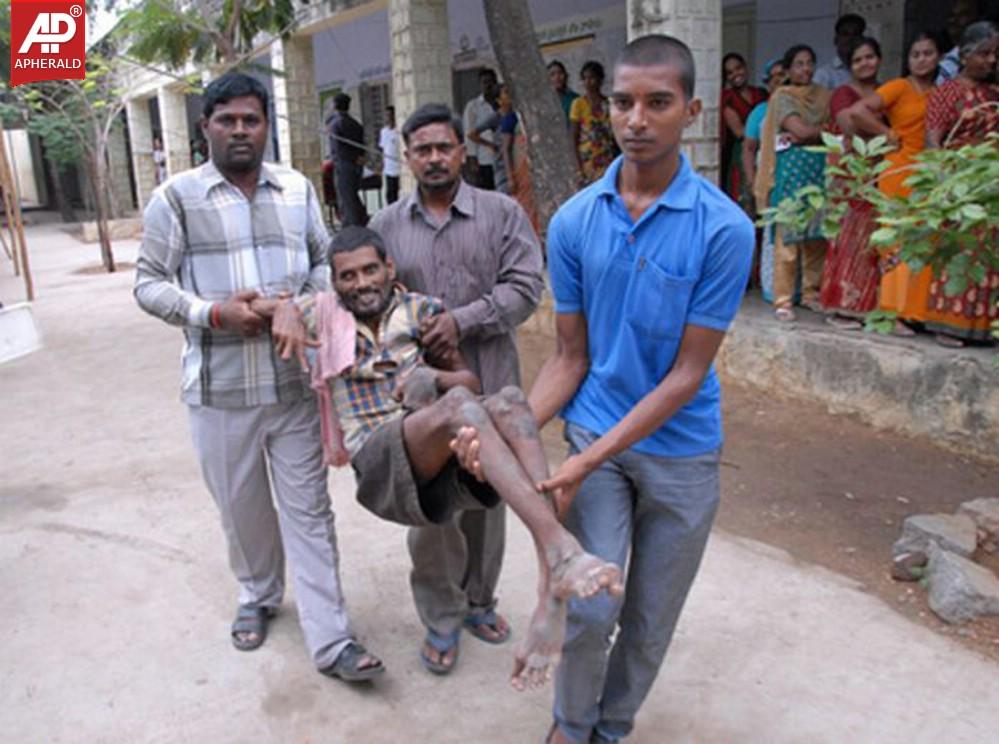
(984, 513)
(960, 590)
(953, 532)
(910, 386)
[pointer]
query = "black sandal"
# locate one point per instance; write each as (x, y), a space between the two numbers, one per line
(346, 665)
(251, 620)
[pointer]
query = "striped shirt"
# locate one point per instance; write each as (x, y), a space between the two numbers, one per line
(204, 240)
(364, 396)
(484, 263)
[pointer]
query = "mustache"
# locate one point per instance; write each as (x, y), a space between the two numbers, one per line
(435, 169)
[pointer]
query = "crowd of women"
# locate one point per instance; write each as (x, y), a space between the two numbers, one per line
(765, 159)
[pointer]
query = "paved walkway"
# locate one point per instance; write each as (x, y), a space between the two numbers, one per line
(118, 599)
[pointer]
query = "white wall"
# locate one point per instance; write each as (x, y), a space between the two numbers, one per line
(358, 51)
(783, 23)
(18, 144)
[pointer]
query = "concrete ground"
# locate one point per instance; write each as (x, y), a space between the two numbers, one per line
(118, 597)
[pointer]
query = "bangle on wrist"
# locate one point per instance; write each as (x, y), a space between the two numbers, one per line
(215, 316)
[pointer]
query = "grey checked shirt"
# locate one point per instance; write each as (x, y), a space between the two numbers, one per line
(202, 241)
(483, 262)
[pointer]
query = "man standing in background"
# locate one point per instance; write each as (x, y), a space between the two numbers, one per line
(480, 144)
(347, 153)
(388, 143)
(835, 73)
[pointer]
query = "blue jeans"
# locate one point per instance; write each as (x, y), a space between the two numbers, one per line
(659, 511)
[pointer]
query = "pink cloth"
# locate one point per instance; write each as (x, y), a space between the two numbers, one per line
(336, 330)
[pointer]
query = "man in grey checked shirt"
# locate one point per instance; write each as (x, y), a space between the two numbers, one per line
(221, 242)
(476, 251)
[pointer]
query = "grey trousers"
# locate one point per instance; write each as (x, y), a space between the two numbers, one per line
(658, 511)
(238, 448)
(456, 566)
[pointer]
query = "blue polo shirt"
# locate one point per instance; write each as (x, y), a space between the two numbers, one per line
(639, 284)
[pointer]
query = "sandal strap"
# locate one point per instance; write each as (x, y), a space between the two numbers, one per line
(482, 617)
(250, 619)
(443, 643)
(352, 653)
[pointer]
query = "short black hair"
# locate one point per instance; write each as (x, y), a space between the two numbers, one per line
(851, 19)
(233, 85)
(432, 113)
(488, 72)
(788, 59)
(862, 41)
(353, 237)
(341, 102)
(595, 67)
(660, 49)
(559, 65)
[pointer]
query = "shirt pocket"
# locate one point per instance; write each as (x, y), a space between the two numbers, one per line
(656, 302)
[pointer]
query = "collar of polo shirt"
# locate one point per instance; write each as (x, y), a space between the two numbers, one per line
(680, 195)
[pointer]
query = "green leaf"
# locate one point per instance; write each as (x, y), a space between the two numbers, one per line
(884, 236)
(831, 141)
(956, 285)
(974, 211)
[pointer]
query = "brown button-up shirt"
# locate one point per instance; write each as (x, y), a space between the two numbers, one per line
(483, 262)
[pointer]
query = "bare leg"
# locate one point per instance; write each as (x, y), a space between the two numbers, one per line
(565, 569)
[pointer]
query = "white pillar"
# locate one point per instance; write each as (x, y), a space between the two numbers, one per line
(176, 138)
(140, 135)
(421, 59)
(296, 105)
(697, 23)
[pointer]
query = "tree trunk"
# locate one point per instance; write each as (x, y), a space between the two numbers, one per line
(553, 163)
(102, 207)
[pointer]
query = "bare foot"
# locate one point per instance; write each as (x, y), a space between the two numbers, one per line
(583, 575)
(538, 654)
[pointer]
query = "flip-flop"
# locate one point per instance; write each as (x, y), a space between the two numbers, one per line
(251, 620)
(442, 644)
(346, 665)
(475, 620)
(784, 314)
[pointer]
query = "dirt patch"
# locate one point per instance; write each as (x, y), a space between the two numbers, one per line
(99, 268)
(829, 489)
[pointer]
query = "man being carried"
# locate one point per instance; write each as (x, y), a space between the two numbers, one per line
(398, 434)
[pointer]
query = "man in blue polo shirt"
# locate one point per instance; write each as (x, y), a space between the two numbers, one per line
(648, 267)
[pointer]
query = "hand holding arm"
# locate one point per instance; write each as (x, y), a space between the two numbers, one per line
(801, 132)
(237, 316)
(697, 350)
(439, 334)
(864, 116)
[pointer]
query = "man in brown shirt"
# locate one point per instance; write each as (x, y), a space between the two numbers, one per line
(477, 252)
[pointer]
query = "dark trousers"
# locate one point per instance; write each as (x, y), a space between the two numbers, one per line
(391, 189)
(487, 179)
(348, 182)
